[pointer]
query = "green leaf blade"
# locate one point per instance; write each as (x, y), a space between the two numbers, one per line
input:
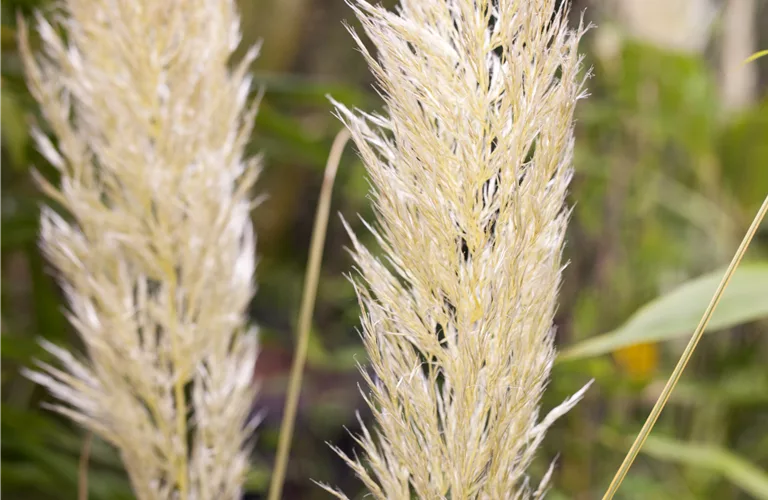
(677, 313)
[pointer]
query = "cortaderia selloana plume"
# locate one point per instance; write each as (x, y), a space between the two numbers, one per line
(469, 164)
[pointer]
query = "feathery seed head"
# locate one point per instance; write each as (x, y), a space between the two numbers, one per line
(470, 167)
(156, 253)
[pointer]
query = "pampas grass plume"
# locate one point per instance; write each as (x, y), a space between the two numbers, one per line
(154, 248)
(469, 165)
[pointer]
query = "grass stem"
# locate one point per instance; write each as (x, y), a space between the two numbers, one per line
(82, 481)
(305, 315)
(685, 357)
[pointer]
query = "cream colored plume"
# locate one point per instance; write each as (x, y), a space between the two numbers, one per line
(152, 241)
(469, 165)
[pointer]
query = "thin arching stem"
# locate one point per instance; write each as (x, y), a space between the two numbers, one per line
(305, 315)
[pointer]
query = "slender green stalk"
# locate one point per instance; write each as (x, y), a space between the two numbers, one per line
(685, 357)
(305, 315)
(85, 454)
(755, 56)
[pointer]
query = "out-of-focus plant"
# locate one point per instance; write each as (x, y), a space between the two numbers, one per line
(155, 250)
(665, 183)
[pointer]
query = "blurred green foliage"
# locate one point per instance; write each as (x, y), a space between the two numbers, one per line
(665, 185)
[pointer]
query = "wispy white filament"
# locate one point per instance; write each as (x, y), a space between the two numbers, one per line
(470, 167)
(156, 250)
